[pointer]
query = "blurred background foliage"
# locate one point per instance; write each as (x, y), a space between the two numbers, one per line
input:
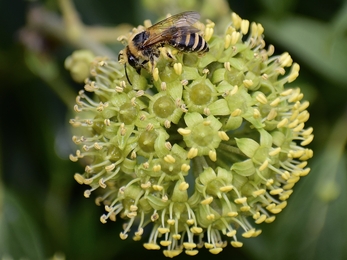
(43, 213)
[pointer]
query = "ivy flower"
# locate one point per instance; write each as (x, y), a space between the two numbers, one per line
(200, 151)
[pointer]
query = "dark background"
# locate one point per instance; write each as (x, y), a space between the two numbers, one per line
(42, 209)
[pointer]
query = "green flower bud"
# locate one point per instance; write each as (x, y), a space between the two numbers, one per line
(79, 64)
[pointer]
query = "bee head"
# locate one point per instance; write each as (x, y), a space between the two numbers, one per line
(133, 60)
(125, 56)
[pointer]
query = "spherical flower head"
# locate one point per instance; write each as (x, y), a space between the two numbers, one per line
(203, 146)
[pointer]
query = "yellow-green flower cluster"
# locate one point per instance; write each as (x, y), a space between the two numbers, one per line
(204, 149)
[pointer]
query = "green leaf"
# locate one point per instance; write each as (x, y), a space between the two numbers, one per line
(312, 41)
(19, 237)
(276, 7)
(339, 22)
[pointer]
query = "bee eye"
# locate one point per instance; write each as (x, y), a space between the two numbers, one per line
(132, 61)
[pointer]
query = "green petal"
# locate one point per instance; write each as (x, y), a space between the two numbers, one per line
(192, 119)
(179, 195)
(225, 175)
(265, 138)
(247, 146)
(174, 89)
(156, 202)
(207, 176)
(244, 168)
(219, 107)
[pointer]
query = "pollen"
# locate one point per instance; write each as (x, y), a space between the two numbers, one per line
(236, 112)
(193, 152)
(155, 74)
(207, 201)
(208, 33)
(264, 165)
(236, 244)
(223, 135)
(184, 131)
(235, 36)
(248, 83)
(185, 167)
(212, 155)
(240, 200)
(178, 68)
(227, 41)
(169, 159)
(183, 186)
(244, 26)
(261, 98)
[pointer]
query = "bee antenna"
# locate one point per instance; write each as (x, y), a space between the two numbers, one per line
(126, 74)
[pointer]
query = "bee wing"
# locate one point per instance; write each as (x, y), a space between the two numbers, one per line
(178, 31)
(172, 27)
(179, 20)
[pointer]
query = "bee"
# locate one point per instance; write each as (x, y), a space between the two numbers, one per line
(176, 31)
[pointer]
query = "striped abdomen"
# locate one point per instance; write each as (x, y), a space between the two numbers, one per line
(189, 43)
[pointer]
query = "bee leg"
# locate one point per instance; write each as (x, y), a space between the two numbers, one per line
(151, 60)
(144, 63)
(138, 70)
(139, 66)
(170, 55)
